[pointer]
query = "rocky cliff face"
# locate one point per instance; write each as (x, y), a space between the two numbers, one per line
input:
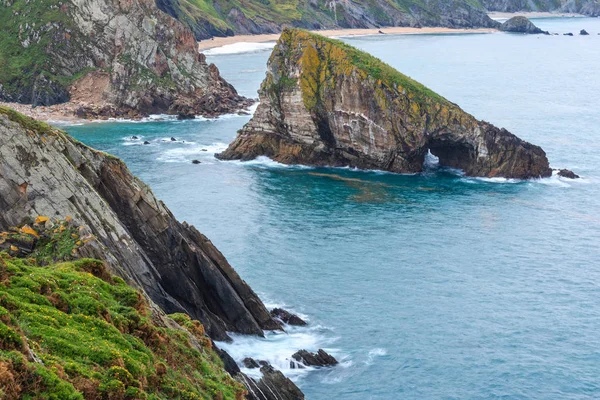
(45, 172)
(586, 7)
(326, 103)
(141, 59)
(225, 17)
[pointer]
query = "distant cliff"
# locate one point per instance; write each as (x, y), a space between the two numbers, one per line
(116, 57)
(326, 103)
(586, 7)
(228, 17)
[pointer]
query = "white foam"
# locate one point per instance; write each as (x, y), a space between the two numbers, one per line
(238, 48)
(277, 348)
(373, 354)
(187, 154)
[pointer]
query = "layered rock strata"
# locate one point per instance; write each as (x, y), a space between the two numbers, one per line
(324, 103)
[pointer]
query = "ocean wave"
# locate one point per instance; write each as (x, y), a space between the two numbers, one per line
(187, 154)
(238, 48)
(277, 348)
(373, 354)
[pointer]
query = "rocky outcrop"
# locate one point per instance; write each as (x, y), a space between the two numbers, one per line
(325, 103)
(45, 172)
(287, 317)
(223, 18)
(272, 386)
(566, 173)
(319, 359)
(520, 24)
(116, 58)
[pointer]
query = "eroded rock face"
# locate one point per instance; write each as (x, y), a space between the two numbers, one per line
(45, 172)
(319, 359)
(131, 59)
(520, 24)
(325, 103)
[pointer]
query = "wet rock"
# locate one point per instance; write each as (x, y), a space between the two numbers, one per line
(567, 34)
(173, 139)
(196, 161)
(319, 359)
(203, 150)
(287, 317)
(134, 138)
(146, 142)
(565, 173)
(583, 32)
(185, 116)
(272, 386)
(520, 24)
(381, 32)
(250, 363)
(363, 118)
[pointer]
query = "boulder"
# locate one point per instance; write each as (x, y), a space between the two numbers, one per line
(520, 24)
(287, 317)
(567, 34)
(565, 173)
(324, 103)
(146, 142)
(583, 32)
(319, 359)
(196, 162)
(183, 116)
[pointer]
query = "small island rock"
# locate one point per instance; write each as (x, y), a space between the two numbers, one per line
(520, 24)
(287, 317)
(566, 173)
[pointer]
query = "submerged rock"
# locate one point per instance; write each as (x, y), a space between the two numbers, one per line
(325, 103)
(319, 359)
(566, 173)
(520, 24)
(287, 317)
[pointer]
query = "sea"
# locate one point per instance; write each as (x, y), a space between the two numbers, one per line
(424, 286)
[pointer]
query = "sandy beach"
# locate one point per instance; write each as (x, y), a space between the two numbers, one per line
(223, 41)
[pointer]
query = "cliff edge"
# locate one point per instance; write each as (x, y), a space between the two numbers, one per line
(325, 103)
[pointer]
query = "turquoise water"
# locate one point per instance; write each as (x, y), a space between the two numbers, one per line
(429, 286)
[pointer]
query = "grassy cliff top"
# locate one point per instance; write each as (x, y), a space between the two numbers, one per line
(71, 330)
(323, 58)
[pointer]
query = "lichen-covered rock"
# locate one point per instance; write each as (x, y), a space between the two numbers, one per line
(325, 103)
(118, 58)
(44, 172)
(520, 24)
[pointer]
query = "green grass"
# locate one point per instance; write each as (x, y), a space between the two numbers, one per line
(26, 122)
(95, 336)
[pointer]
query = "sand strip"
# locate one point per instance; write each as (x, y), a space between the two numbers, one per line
(222, 41)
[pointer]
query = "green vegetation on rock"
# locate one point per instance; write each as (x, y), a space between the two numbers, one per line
(71, 330)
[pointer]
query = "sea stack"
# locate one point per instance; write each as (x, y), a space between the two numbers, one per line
(325, 103)
(520, 24)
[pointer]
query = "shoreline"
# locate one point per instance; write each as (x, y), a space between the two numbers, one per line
(399, 30)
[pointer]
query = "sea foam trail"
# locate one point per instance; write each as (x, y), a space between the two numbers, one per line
(238, 48)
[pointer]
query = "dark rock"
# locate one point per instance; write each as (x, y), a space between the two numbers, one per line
(520, 24)
(565, 173)
(318, 359)
(203, 150)
(583, 32)
(287, 317)
(228, 361)
(173, 139)
(134, 138)
(184, 116)
(381, 32)
(272, 386)
(567, 34)
(360, 118)
(250, 363)
(146, 142)
(196, 161)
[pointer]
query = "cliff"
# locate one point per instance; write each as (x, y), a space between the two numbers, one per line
(117, 58)
(229, 17)
(63, 201)
(585, 7)
(325, 103)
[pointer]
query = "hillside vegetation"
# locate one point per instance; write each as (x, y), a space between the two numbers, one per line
(71, 330)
